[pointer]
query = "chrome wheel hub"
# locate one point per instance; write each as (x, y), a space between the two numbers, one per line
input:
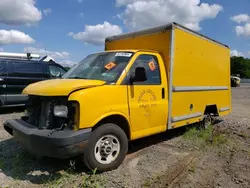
(107, 149)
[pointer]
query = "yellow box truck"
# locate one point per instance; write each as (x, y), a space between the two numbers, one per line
(144, 83)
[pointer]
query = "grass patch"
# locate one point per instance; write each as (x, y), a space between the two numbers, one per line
(64, 178)
(198, 137)
(203, 137)
(219, 140)
(150, 181)
(92, 181)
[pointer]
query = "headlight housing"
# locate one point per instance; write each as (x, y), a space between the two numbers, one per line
(61, 111)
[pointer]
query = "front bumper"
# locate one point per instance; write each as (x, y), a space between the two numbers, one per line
(43, 142)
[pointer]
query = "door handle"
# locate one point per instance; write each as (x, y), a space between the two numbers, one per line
(162, 93)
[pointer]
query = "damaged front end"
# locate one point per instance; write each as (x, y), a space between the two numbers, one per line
(49, 127)
(45, 112)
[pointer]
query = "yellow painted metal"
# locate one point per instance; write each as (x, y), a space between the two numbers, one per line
(59, 87)
(145, 118)
(199, 62)
(157, 42)
(148, 110)
(97, 103)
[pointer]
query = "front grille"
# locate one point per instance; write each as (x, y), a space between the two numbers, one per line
(40, 112)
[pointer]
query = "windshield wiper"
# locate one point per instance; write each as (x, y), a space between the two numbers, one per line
(77, 77)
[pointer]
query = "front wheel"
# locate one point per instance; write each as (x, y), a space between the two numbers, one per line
(106, 149)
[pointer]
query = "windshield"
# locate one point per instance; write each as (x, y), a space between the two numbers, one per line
(106, 66)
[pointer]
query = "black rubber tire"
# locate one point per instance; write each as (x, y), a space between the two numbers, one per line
(203, 124)
(89, 158)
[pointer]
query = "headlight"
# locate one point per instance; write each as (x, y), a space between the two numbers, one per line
(61, 111)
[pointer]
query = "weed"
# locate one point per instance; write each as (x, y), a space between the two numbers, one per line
(150, 181)
(193, 166)
(219, 139)
(69, 177)
(6, 186)
(202, 137)
(60, 179)
(92, 181)
(198, 137)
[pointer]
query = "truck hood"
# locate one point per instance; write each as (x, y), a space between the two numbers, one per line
(60, 87)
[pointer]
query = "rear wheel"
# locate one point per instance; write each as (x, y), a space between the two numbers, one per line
(206, 122)
(106, 148)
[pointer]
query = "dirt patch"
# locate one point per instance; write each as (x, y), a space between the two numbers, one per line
(217, 157)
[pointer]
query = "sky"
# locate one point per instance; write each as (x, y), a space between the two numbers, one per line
(69, 30)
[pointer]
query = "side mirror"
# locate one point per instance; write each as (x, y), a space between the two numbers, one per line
(140, 75)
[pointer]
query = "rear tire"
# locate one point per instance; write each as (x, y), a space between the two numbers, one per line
(206, 122)
(106, 149)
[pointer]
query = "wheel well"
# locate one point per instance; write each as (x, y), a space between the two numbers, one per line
(119, 120)
(211, 110)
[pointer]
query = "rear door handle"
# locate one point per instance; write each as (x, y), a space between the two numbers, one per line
(163, 93)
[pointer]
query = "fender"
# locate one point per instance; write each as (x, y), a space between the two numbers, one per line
(110, 114)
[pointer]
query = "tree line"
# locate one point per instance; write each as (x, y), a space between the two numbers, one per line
(240, 65)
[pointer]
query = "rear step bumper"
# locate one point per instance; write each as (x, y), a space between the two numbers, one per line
(43, 142)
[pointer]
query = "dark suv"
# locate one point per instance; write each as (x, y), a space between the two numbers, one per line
(16, 74)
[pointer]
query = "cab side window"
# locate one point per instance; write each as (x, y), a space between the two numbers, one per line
(150, 63)
(56, 71)
(27, 67)
(2, 69)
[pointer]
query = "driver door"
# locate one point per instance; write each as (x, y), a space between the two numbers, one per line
(148, 104)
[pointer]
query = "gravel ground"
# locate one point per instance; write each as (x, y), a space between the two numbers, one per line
(172, 159)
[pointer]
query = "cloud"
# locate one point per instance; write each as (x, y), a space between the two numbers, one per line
(59, 57)
(47, 11)
(79, 1)
(1, 50)
(124, 2)
(241, 18)
(14, 37)
(43, 52)
(96, 34)
(19, 12)
(244, 29)
(148, 13)
(70, 34)
(236, 53)
(67, 63)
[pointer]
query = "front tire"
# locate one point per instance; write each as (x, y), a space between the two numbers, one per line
(106, 149)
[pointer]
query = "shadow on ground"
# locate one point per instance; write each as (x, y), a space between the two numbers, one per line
(20, 165)
(9, 110)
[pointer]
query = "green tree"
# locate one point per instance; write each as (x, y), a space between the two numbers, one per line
(240, 65)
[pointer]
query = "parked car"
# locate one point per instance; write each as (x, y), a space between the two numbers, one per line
(235, 81)
(19, 70)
